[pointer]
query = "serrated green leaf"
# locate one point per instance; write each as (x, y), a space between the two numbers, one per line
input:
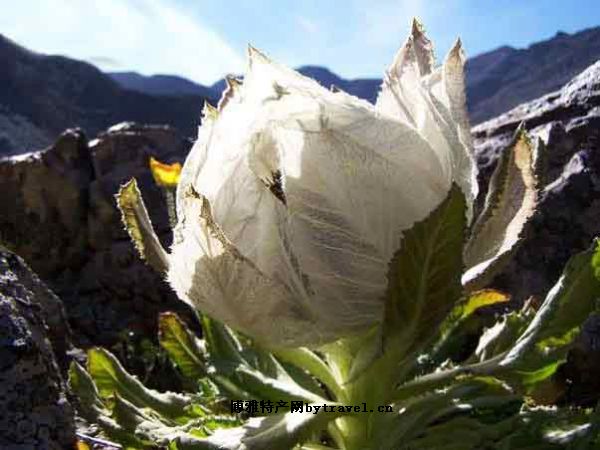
(440, 379)
(151, 428)
(137, 223)
(530, 429)
(462, 396)
(502, 336)
(461, 433)
(184, 349)
(424, 275)
(247, 372)
(534, 358)
(281, 431)
(141, 425)
(265, 388)
(221, 341)
(308, 360)
(130, 416)
(369, 351)
(110, 377)
(480, 299)
(510, 203)
(462, 324)
(305, 380)
(262, 360)
(572, 299)
(83, 386)
(549, 428)
(92, 409)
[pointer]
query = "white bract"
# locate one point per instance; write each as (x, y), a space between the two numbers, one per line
(294, 198)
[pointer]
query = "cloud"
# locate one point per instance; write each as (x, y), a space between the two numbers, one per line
(148, 36)
(105, 62)
(307, 25)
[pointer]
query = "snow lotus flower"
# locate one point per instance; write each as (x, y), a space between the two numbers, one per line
(307, 216)
(294, 198)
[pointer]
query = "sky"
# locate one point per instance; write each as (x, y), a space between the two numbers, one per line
(205, 39)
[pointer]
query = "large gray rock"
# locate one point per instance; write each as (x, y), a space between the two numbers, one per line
(567, 219)
(35, 413)
(57, 211)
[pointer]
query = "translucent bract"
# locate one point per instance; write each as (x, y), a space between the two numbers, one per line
(294, 198)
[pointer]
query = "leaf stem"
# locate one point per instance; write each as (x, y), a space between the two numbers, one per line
(437, 379)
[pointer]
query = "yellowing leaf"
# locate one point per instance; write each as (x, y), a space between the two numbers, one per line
(137, 223)
(165, 175)
(484, 297)
(182, 346)
(462, 322)
(82, 445)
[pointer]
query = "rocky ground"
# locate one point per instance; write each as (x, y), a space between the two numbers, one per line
(57, 211)
(34, 336)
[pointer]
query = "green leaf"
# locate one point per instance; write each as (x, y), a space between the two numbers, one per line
(502, 336)
(138, 427)
(221, 341)
(533, 377)
(82, 384)
(529, 429)
(463, 396)
(262, 387)
(246, 372)
(111, 378)
(424, 275)
(477, 300)
(137, 223)
(510, 203)
(573, 298)
(311, 362)
(440, 379)
(305, 380)
(549, 428)
(281, 431)
(460, 433)
(183, 348)
(91, 407)
(462, 324)
(369, 351)
(152, 429)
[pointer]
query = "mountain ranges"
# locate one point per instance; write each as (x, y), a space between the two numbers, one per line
(42, 95)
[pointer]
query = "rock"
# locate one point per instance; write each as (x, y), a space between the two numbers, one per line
(35, 411)
(566, 222)
(44, 204)
(583, 366)
(57, 210)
